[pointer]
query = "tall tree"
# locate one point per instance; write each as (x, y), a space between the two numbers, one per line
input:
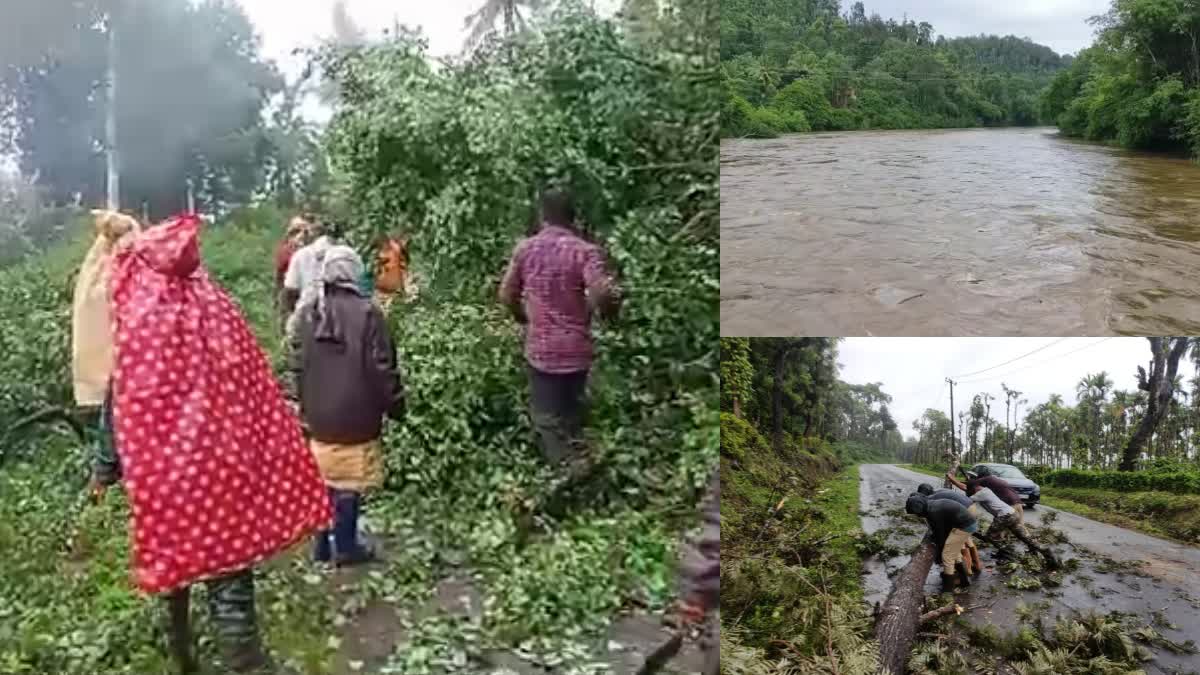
(1159, 385)
(482, 22)
(736, 372)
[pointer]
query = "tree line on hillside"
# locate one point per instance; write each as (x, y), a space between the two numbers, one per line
(1106, 428)
(1139, 83)
(804, 65)
(788, 388)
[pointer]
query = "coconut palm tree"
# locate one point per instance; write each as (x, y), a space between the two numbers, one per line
(1091, 392)
(482, 22)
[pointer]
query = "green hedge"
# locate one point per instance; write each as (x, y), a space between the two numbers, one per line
(1174, 515)
(1175, 480)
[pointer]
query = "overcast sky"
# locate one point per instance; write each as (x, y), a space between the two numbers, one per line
(1059, 24)
(913, 370)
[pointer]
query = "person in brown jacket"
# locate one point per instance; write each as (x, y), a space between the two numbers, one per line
(347, 380)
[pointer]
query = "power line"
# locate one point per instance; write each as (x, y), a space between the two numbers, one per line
(1012, 360)
(1038, 363)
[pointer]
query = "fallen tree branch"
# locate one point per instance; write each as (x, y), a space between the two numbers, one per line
(42, 416)
(941, 611)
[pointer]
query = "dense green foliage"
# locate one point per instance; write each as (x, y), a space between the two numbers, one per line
(789, 390)
(800, 66)
(1139, 84)
(454, 155)
(1092, 434)
(1175, 479)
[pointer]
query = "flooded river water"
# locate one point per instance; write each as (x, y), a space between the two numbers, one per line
(956, 232)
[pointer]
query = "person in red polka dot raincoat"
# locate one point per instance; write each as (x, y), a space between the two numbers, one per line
(212, 457)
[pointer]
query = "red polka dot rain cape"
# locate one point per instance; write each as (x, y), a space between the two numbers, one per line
(213, 459)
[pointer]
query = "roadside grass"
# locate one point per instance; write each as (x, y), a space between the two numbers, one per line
(1159, 514)
(927, 469)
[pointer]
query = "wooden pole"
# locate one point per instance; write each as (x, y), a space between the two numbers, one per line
(953, 435)
(110, 124)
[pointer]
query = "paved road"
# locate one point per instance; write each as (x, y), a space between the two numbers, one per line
(1169, 582)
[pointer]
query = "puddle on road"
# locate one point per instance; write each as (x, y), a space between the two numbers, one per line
(1100, 583)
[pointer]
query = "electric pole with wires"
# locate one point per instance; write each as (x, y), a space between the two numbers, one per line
(953, 435)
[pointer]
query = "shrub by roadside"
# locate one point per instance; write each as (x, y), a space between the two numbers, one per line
(1157, 513)
(1172, 478)
(790, 584)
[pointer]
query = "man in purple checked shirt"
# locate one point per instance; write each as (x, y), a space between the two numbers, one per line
(556, 281)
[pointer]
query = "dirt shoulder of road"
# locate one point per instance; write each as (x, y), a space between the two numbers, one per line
(1158, 514)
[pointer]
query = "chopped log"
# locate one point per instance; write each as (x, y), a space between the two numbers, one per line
(900, 614)
(941, 611)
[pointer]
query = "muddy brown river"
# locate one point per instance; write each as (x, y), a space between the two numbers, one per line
(956, 232)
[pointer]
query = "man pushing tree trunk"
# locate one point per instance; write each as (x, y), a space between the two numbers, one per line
(1004, 504)
(952, 525)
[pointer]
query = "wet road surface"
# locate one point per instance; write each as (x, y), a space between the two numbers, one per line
(1169, 582)
(956, 232)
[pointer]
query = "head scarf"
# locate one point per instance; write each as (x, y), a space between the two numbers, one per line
(342, 268)
(91, 322)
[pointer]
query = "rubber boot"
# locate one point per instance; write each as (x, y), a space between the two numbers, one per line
(348, 550)
(964, 579)
(323, 546)
(947, 583)
(233, 614)
(180, 630)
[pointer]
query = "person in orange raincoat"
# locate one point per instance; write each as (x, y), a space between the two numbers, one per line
(218, 474)
(391, 270)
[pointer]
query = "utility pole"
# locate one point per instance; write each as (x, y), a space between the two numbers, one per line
(191, 198)
(110, 123)
(953, 450)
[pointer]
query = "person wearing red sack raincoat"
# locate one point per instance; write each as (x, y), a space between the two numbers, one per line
(218, 475)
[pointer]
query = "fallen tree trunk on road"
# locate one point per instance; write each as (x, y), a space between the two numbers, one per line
(900, 614)
(898, 620)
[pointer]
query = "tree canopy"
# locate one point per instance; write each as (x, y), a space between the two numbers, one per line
(1139, 84)
(800, 66)
(790, 387)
